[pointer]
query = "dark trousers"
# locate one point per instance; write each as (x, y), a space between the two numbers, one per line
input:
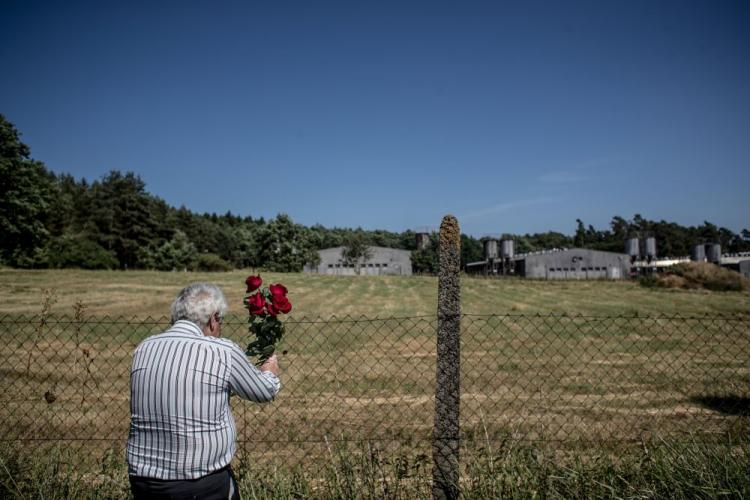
(219, 485)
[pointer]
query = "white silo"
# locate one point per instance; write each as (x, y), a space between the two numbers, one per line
(713, 253)
(698, 253)
(632, 247)
(507, 248)
(490, 249)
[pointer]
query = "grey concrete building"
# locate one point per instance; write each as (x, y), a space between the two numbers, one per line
(572, 263)
(741, 266)
(383, 261)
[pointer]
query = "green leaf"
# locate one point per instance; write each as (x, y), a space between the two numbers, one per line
(268, 350)
(266, 328)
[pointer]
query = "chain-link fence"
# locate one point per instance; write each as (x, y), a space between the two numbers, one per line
(558, 379)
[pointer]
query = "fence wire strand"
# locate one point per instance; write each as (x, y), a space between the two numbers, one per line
(549, 378)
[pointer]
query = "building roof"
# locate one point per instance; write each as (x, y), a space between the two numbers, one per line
(375, 249)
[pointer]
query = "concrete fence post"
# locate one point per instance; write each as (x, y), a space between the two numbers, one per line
(445, 444)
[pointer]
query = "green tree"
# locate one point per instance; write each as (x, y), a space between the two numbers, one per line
(426, 261)
(579, 240)
(471, 250)
(78, 251)
(245, 235)
(69, 209)
(175, 254)
(356, 251)
(548, 240)
(407, 240)
(124, 217)
(284, 246)
(620, 228)
(26, 192)
(210, 262)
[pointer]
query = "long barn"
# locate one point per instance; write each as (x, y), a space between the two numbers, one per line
(382, 261)
(574, 263)
(571, 263)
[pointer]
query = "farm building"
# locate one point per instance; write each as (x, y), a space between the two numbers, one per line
(383, 260)
(572, 263)
(741, 266)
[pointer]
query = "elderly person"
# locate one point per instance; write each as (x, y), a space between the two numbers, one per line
(182, 433)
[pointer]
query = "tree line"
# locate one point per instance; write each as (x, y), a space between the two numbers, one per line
(53, 220)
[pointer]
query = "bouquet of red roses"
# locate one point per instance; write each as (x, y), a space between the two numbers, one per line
(265, 305)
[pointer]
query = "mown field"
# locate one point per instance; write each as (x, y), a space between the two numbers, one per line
(595, 366)
(149, 293)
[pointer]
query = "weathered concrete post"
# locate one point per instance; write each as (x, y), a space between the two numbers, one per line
(445, 445)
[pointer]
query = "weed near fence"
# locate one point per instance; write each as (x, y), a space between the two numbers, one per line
(685, 469)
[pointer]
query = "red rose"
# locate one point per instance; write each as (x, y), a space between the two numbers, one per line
(256, 303)
(282, 304)
(272, 309)
(253, 283)
(278, 290)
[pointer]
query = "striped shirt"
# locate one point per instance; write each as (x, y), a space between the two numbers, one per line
(181, 426)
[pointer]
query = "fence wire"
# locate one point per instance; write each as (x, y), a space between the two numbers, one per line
(552, 378)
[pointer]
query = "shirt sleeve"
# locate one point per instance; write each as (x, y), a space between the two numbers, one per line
(248, 382)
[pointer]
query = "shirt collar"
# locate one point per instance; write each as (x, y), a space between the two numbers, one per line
(185, 326)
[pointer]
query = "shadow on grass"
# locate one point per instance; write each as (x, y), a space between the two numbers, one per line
(729, 405)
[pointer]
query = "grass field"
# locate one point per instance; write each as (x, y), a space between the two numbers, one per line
(149, 293)
(684, 470)
(555, 364)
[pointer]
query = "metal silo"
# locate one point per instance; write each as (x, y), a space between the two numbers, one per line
(699, 253)
(632, 248)
(423, 241)
(650, 247)
(713, 253)
(507, 249)
(490, 249)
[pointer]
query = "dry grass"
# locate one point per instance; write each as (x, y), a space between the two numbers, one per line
(524, 377)
(697, 275)
(549, 379)
(149, 293)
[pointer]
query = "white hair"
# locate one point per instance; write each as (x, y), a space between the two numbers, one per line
(197, 302)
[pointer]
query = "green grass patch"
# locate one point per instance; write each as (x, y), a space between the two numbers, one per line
(655, 469)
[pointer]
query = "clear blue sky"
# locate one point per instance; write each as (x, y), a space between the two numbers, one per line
(513, 116)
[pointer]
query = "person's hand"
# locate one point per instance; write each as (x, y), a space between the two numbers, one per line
(271, 365)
